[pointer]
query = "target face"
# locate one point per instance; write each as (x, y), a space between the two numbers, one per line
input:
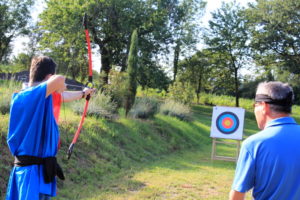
(227, 122)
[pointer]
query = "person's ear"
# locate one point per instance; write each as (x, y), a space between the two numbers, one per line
(266, 108)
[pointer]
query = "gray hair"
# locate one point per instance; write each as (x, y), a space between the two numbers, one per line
(277, 91)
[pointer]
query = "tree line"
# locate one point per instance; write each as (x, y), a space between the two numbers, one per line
(242, 45)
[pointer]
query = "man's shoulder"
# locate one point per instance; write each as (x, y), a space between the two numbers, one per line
(29, 93)
(41, 87)
(256, 139)
(270, 134)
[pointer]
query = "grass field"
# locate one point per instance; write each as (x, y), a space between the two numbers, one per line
(130, 159)
(186, 173)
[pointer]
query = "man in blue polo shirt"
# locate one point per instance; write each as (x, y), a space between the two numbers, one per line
(269, 161)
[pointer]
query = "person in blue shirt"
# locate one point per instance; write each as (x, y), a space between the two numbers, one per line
(269, 161)
(33, 133)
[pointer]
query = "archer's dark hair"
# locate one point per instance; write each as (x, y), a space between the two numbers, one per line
(41, 66)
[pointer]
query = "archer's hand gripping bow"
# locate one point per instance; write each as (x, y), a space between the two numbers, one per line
(88, 84)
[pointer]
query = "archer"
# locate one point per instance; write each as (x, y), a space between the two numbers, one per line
(33, 135)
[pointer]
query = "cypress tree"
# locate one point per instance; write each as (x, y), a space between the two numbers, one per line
(132, 72)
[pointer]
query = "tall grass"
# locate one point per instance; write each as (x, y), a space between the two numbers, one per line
(224, 100)
(7, 88)
(178, 94)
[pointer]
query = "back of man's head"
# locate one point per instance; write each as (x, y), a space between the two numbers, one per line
(41, 66)
(278, 95)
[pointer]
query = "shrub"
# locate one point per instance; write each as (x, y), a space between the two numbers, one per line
(117, 87)
(144, 107)
(181, 92)
(206, 99)
(176, 109)
(100, 105)
(151, 92)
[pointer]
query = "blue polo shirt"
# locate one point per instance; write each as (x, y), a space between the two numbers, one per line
(269, 162)
(32, 131)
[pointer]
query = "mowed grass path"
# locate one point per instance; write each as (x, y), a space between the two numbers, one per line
(184, 175)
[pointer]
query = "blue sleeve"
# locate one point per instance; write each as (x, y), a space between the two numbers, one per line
(245, 171)
(27, 109)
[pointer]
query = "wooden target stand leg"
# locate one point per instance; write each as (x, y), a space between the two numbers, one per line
(214, 155)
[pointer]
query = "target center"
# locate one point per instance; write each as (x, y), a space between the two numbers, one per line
(227, 122)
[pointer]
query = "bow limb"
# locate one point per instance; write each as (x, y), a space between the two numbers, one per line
(89, 84)
(70, 150)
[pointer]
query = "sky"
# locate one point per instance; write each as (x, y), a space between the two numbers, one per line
(212, 5)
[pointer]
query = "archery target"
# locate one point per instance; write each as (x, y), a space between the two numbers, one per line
(227, 122)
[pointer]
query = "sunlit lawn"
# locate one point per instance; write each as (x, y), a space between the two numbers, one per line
(181, 176)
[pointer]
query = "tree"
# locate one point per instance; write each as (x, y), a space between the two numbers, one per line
(111, 23)
(22, 60)
(228, 35)
(152, 76)
(132, 72)
(274, 27)
(196, 70)
(275, 30)
(207, 71)
(31, 49)
(185, 28)
(14, 17)
(63, 36)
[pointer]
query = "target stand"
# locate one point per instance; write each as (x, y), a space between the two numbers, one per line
(227, 123)
(214, 155)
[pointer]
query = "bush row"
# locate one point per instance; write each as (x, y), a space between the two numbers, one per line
(102, 105)
(146, 107)
(148, 103)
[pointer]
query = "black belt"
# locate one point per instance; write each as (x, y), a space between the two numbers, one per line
(51, 167)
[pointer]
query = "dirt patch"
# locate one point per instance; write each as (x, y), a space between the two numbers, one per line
(209, 191)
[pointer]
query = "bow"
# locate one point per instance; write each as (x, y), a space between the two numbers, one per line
(89, 84)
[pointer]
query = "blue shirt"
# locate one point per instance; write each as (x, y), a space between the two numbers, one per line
(32, 131)
(269, 162)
